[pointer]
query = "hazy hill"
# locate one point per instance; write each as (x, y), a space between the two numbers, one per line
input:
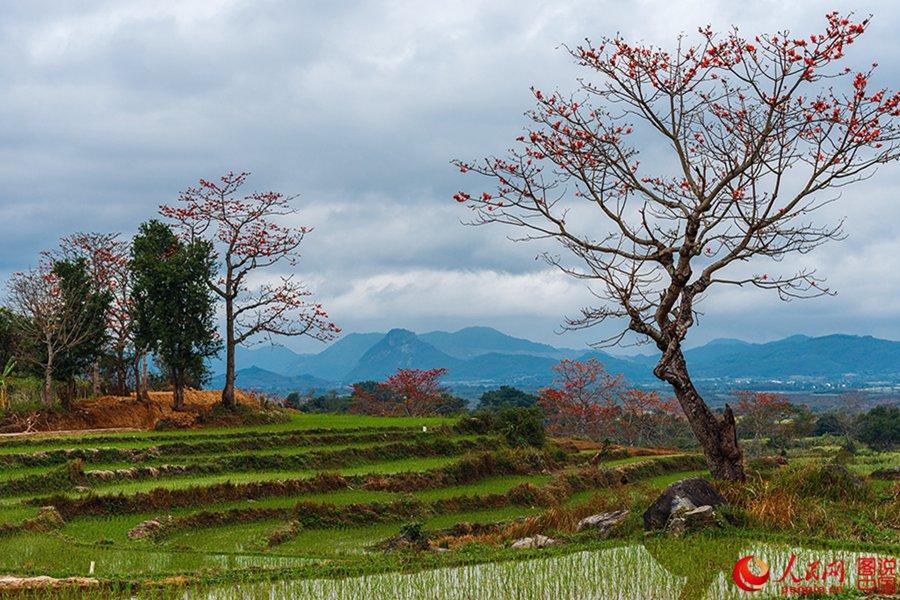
(475, 341)
(479, 357)
(255, 378)
(398, 349)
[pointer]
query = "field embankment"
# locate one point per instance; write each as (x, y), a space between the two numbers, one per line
(121, 413)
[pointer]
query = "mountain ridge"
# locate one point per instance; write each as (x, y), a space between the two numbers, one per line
(483, 357)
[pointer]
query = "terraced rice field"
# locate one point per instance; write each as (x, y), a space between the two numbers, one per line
(302, 509)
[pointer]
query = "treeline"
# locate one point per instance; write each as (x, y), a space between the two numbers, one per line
(586, 402)
(97, 308)
(772, 422)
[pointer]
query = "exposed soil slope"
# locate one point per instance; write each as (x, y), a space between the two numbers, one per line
(120, 412)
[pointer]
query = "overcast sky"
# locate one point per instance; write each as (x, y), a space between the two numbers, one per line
(108, 109)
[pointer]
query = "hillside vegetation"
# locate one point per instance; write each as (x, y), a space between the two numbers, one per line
(279, 510)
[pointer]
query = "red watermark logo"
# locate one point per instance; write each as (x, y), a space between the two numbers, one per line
(745, 578)
(875, 574)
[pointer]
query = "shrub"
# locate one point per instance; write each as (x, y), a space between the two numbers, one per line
(879, 428)
(829, 424)
(326, 403)
(413, 532)
(479, 423)
(506, 397)
(831, 481)
(521, 426)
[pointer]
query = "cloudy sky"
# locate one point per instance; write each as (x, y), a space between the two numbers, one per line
(108, 109)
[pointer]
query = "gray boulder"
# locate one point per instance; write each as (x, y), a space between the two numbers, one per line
(538, 541)
(687, 519)
(681, 497)
(603, 522)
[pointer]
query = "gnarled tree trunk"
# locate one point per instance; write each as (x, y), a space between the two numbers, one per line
(47, 389)
(718, 437)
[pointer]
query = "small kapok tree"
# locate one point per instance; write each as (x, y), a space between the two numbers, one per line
(408, 392)
(583, 400)
(750, 138)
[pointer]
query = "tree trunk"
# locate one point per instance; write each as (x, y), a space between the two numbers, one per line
(228, 390)
(121, 373)
(95, 379)
(67, 397)
(140, 382)
(47, 390)
(178, 394)
(718, 437)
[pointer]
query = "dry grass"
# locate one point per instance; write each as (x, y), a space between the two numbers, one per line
(576, 445)
(557, 519)
(127, 412)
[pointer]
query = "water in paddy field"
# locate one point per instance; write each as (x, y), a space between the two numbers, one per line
(644, 571)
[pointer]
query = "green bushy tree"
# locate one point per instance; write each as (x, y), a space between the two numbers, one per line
(521, 426)
(174, 310)
(879, 428)
(90, 305)
(506, 396)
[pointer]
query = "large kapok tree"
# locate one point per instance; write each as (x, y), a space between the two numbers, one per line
(750, 137)
(249, 237)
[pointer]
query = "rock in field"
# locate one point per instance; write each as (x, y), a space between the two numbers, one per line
(696, 518)
(538, 541)
(681, 497)
(603, 522)
(890, 474)
(149, 529)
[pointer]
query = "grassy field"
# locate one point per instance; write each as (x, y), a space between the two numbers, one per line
(314, 508)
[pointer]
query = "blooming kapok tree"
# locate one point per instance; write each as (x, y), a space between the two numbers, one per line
(641, 411)
(583, 400)
(49, 323)
(408, 392)
(762, 414)
(752, 136)
(107, 259)
(248, 239)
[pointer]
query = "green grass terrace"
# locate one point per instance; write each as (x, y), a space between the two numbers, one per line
(308, 508)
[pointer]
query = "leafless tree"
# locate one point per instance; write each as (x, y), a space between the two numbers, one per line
(47, 326)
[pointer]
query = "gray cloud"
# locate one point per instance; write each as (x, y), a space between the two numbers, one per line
(109, 108)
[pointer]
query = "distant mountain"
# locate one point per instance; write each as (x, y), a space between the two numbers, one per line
(475, 341)
(834, 357)
(487, 370)
(341, 357)
(275, 358)
(481, 357)
(398, 349)
(254, 378)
